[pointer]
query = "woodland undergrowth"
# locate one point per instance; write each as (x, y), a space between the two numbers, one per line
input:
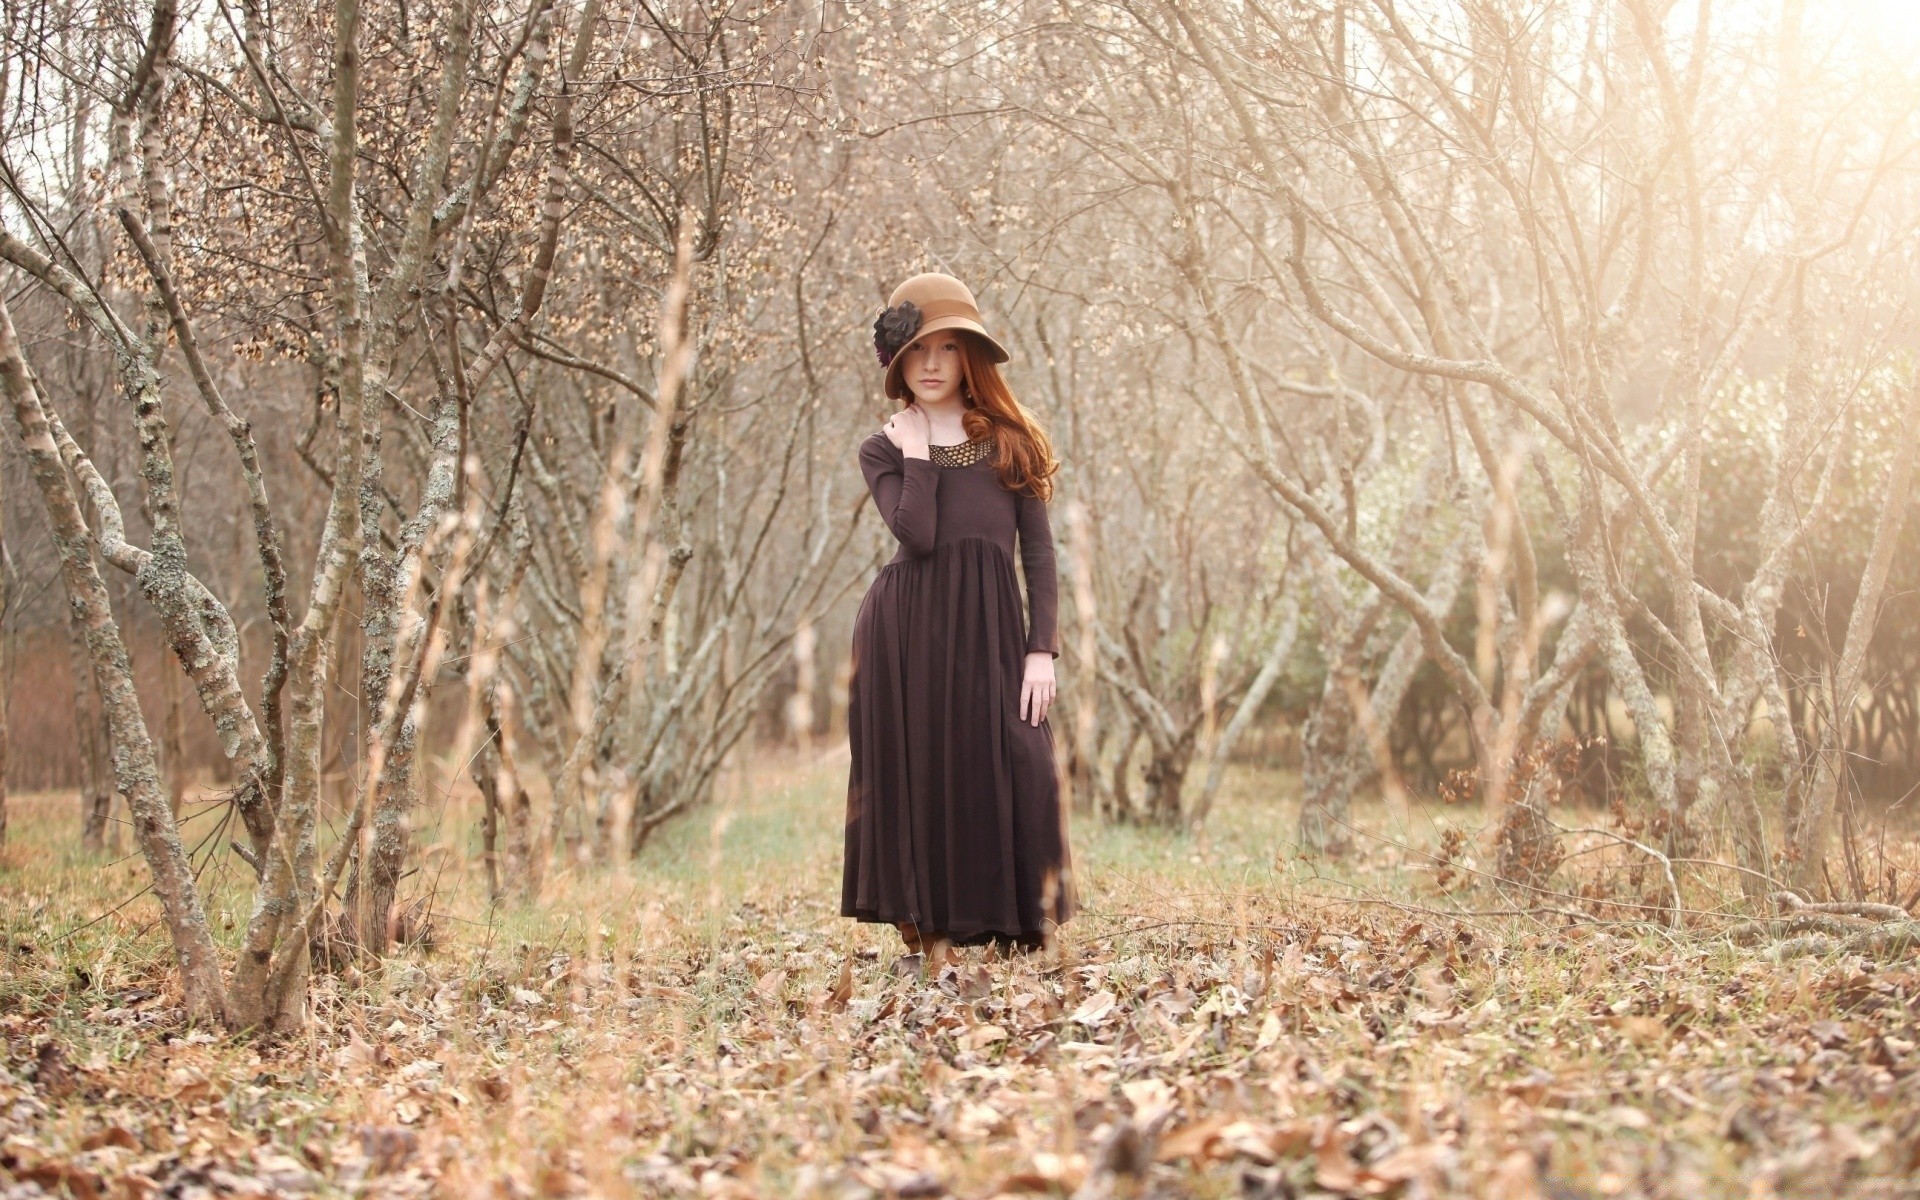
(1221, 1020)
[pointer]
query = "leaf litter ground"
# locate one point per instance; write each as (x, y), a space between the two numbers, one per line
(1219, 1022)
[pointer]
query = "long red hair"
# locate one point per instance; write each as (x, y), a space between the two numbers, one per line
(1022, 453)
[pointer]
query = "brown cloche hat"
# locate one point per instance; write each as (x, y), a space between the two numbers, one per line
(928, 303)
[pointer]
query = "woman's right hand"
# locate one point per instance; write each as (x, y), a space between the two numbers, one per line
(910, 431)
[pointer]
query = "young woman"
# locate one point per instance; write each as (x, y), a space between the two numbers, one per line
(954, 828)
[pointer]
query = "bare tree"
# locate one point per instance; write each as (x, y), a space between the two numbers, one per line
(1807, 833)
(1484, 238)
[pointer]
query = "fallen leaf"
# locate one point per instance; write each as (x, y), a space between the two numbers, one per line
(356, 1053)
(1191, 1140)
(1642, 1030)
(842, 989)
(1067, 1170)
(63, 1178)
(281, 1173)
(983, 1036)
(420, 1068)
(387, 1147)
(51, 1070)
(1628, 1117)
(1269, 1031)
(1152, 1099)
(188, 1085)
(233, 1184)
(1515, 1178)
(1050, 1173)
(1405, 1164)
(1178, 1054)
(976, 982)
(1333, 1168)
(977, 1121)
(556, 1180)
(1291, 1140)
(900, 1179)
(112, 1135)
(1244, 1139)
(1531, 1087)
(772, 984)
(1094, 1009)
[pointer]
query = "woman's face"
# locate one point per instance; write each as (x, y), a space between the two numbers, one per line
(931, 367)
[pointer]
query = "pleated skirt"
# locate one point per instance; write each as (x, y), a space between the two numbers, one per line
(954, 820)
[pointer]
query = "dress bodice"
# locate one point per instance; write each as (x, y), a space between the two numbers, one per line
(931, 507)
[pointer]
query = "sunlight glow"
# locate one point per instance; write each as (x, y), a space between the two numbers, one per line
(1893, 25)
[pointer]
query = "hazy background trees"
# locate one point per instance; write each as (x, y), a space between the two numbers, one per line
(467, 400)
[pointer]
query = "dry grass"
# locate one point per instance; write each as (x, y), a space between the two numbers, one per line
(1217, 1023)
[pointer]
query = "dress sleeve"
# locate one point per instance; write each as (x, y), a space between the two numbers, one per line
(904, 490)
(1043, 584)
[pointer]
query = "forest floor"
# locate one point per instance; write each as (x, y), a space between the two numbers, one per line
(1221, 1020)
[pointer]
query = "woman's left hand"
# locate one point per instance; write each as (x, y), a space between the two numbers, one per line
(1036, 690)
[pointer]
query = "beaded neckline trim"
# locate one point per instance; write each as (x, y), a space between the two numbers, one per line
(963, 455)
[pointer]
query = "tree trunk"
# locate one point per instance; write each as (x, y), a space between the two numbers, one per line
(1122, 773)
(1808, 841)
(270, 979)
(1326, 771)
(1256, 695)
(173, 739)
(96, 787)
(5, 674)
(137, 773)
(369, 898)
(487, 781)
(522, 868)
(509, 815)
(1166, 777)
(1909, 728)
(800, 705)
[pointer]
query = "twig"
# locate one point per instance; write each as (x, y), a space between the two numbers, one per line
(1666, 865)
(1792, 902)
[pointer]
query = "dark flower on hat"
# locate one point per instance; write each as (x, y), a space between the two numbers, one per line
(893, 329)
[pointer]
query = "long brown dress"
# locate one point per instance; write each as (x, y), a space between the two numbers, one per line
(953, 809)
